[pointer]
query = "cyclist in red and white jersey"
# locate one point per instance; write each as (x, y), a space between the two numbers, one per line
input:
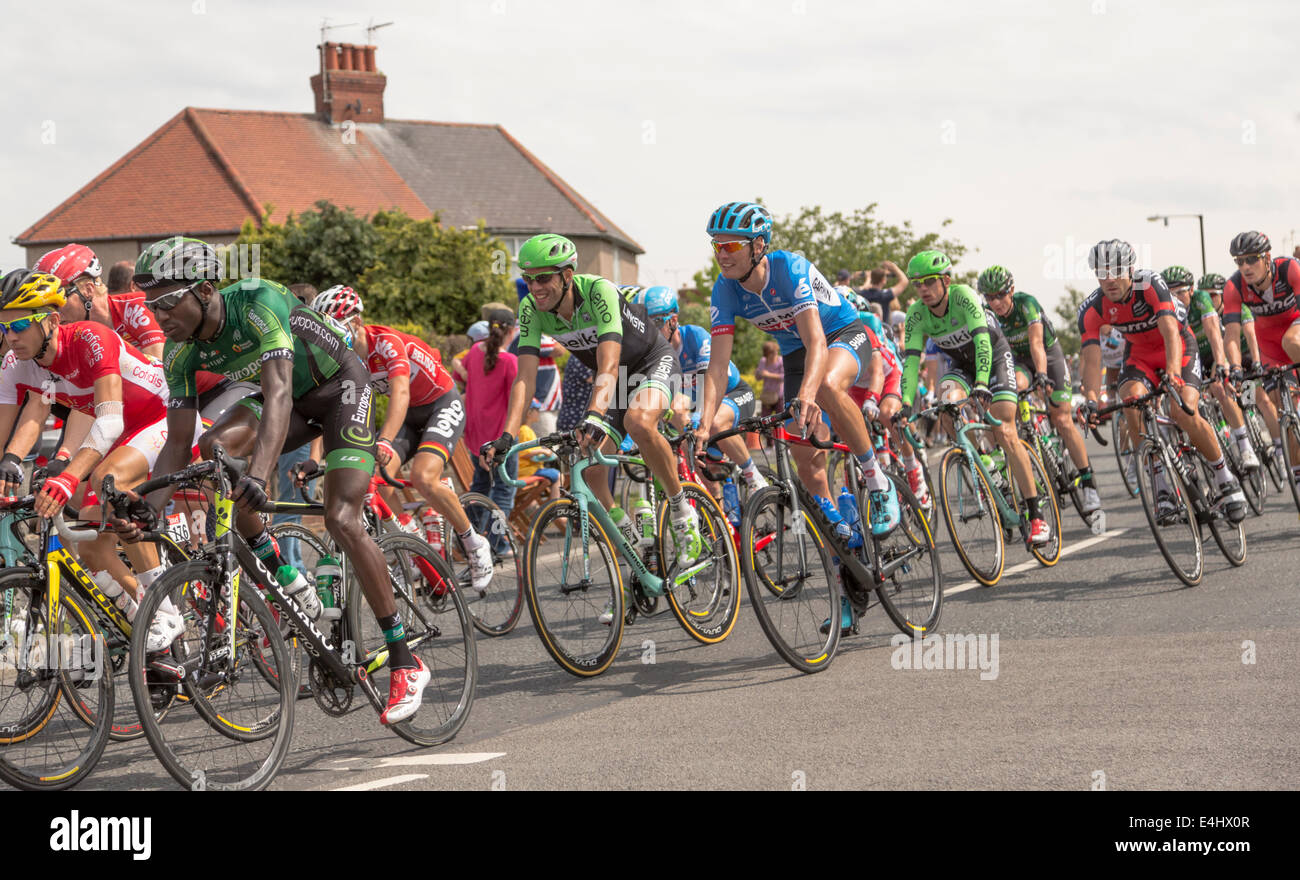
(425, 418)
(90, 369)
(1269, 286)
(1158, 346)
(89, 300)
(879, 393)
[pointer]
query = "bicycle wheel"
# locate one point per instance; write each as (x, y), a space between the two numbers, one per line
(1123, 445)
(972, 517)
(1230, 538)
(1290, 437)
(1176, 532)
(496, 611)
(708, 603)
(46, 744)
(239, 733)
(912, 593)
(790, 580)
(1050, 553)
(1269, 463)
(439, 631)
(566, 599)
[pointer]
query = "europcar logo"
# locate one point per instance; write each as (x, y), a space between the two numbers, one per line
(359, 436)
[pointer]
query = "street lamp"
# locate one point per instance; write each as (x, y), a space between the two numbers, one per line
(1200, 218)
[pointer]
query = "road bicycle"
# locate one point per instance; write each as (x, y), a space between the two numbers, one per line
(983, 504)
(1288, 417)
(577, 597)
(1034, 425)
(241, 732)
(794, 561)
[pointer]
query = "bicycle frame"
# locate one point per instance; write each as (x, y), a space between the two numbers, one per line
(1007, 516)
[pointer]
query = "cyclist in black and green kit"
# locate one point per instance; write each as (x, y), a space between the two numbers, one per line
(312, 383)
(982, 365)
(1204, 322)
(1038, 353)
(636, 371)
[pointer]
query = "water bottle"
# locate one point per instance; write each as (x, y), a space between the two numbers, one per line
(297, 589)
(848, 508)
(328, 573)
(842, 529)
(407, 523)
(645, 521)
(432, 522)
(731, 502)
(625, 524)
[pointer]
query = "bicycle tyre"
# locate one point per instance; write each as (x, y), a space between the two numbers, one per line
(190, 747)
(1123, 446)
(1230, 538)
(1268, 462)
(914, 610)
(707, 611)
(1050, 553)
(964, 500)
(564, 624)
(50, 746)
(1290, 435)
(766, 532)
(439, 630)
(498, 610)
(1148, 455)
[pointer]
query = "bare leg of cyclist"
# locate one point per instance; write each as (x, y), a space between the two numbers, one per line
(833, 397)
(426, 475)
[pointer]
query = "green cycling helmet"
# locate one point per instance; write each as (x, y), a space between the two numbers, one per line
(177, 260)
(547, 250)
(1213, 282)
(928, 263)
(1178, 276)
(994, 279)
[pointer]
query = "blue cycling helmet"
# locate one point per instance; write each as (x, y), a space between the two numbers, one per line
(660, 300)
(742, 218)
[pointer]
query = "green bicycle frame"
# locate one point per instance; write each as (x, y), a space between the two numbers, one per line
(1006, 513)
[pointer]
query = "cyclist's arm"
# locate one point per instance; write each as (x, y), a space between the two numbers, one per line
(105, 431)
(605, 384)
(1091, 356)
(714, 381)
(277, 403)
(177, 448)
(75, 429)
(1169, 332)
(1214, 334)
(913, 345)
(816, 359)
(30, 416)
(154, 351)
(875, 373)
(1037, 352)
(1232, 315)
(1252, 343)
(399, 402)
(521, 394)
(316, 451)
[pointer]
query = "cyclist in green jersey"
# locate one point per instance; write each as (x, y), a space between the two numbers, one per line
(311, 382)
(636, 371)
(1204, 322)
(982, 364)
(1038, 352)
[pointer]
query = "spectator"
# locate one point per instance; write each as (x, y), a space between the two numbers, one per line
(771, 373)
(530, 461)
(886, 296)
(289, 549)
(575, 393)
(844, 277)
(120, 278)
(477, 332)
(548, 394)
(489, 373)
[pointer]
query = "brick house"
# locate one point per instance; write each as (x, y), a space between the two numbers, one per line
(205, 171)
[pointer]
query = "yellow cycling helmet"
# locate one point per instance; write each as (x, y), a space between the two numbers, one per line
(37, 291)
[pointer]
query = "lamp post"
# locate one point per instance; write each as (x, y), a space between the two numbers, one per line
(1200, 218)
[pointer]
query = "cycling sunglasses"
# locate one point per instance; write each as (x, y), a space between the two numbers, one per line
(18, 325)
(729, 247)
(169, 301)
(1248, 259)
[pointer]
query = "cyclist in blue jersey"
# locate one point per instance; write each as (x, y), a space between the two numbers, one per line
(823, 346)
(693, 345)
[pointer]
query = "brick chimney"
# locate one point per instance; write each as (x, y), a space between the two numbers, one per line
(348, 85)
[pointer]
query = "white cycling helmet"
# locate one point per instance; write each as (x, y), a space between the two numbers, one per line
(339, 302)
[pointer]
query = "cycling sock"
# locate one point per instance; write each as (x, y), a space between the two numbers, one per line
(1035, 510)
(681, 509)
(265, 549)
(399, 655)
(876, 481)
(146, 578)
(1085, 478)
(467, 537)
(908, 458)
(1221, 473)
(1241, 435)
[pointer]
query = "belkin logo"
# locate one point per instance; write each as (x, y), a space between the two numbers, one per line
(103, 834)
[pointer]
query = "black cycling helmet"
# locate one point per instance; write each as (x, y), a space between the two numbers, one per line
(9, 283)
(1112, 254)
(1250, 243)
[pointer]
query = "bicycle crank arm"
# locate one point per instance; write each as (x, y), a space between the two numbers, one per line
(887, 571)
(362, 678)
(584, 585)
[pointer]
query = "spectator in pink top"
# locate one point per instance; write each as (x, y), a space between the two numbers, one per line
(489, 373)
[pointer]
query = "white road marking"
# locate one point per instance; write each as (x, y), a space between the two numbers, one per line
(421, 760)
(1033, 563)
(382, 783)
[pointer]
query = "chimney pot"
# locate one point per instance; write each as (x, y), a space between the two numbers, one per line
(331, 57)
(370, 59)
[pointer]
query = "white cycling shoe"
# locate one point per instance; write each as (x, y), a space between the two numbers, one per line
(163, 630)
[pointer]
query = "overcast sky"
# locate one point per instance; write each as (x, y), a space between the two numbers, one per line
(1038, 127)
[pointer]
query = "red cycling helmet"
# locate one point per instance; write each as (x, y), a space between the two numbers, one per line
(69, 263)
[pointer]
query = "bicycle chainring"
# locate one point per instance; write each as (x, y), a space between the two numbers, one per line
(333, 697)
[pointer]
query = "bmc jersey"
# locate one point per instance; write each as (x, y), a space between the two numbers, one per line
(793, 286)
(600, 314)
(964, 332)
(1136, 317)
(393, 353)
(87, 351)
(1276, 308)
(263, 321)
(693, 356)
(1025, 312)
(133, 321)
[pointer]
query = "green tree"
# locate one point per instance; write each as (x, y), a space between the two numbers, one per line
(859, 240)
(322, 247)
(434, 275)
(1066, 324)
(747, 345)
